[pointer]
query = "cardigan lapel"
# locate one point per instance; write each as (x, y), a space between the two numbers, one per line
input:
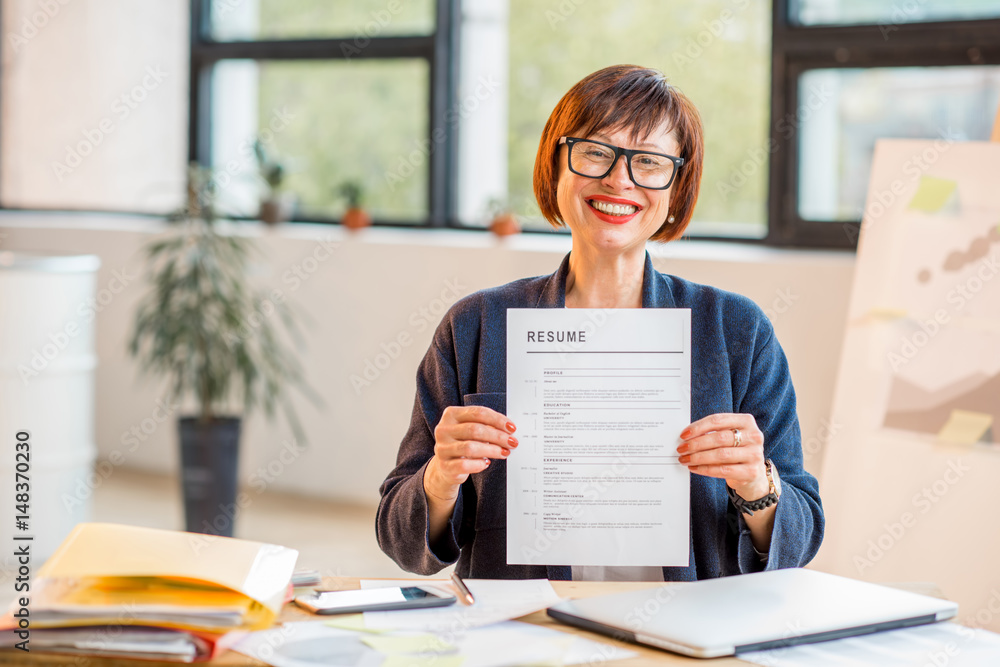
(655, 291)
(553, 294)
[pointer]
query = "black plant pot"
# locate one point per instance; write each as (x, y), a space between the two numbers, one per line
(209, 458)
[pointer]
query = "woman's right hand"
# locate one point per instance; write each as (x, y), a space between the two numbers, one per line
(465, 440)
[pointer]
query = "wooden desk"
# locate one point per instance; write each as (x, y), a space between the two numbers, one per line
(648, 657)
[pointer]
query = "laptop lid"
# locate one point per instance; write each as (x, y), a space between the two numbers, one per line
(751, 612)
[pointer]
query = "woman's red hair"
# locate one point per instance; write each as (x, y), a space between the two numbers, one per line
(638, 100)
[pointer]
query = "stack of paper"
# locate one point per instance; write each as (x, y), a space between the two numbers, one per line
(479, 635)
(496, 600)
(125, 591)
(311, 643)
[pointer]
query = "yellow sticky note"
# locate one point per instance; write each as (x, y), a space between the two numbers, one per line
(398, 644)
(887, 313)
(353, 622)
(932, 194)
(965, 427)
(435, 660)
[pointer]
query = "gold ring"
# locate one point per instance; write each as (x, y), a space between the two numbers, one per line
(737, 437)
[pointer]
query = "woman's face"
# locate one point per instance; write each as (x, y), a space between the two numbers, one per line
(579, 197)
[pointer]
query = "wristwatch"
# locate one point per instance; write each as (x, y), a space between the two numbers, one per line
(773, 493)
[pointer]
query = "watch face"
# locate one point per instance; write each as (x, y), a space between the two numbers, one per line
(774, 478)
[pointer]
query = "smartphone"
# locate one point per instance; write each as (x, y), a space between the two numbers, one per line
(373, 599)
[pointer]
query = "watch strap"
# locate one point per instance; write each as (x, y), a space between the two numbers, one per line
(748, 507)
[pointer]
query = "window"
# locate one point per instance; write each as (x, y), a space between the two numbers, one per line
(847, 72)
(435, 107)
(793, 97)
(338, 93)
(253, 60)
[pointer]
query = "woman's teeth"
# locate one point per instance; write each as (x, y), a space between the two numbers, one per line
(613, 209)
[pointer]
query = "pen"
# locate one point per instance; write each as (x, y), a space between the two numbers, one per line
(463, 590)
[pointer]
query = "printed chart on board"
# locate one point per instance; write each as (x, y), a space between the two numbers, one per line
(924, 320)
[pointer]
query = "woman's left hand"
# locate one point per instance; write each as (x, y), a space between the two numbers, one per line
(707, 448)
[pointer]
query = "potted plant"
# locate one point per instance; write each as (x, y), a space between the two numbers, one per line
(355, 217)
(276, 205)
(217, 341)
(503, 222)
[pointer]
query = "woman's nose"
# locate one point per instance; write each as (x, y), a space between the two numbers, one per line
(618, 177)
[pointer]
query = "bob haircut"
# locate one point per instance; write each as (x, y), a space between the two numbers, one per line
(632, 98)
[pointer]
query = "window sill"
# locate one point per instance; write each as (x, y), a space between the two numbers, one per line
(694, 250)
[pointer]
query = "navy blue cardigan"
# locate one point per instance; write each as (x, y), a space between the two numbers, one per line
(737, 366)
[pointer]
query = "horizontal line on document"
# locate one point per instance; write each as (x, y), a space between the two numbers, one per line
(561, 463)
(604, 400)
(610, 369)
(605, 351)
(605, 456)
(593, 408)
(570, 377)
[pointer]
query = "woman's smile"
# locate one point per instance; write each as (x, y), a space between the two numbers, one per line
(614, 210)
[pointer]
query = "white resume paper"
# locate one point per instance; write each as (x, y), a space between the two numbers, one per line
(599, 397)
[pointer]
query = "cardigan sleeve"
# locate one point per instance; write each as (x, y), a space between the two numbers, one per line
(798, 518)
(401, 524)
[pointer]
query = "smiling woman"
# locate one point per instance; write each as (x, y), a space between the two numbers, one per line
(620, 164)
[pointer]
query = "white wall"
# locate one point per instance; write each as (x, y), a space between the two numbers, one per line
(379, 284)
(94, 107)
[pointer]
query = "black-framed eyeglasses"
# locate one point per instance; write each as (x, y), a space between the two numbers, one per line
(595, 159)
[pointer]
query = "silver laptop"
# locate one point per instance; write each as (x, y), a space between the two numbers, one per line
(751, 612)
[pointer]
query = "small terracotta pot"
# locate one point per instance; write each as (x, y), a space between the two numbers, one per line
(356, 218)
(505, 224)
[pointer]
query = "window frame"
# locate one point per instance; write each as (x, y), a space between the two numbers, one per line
(434, 48)
(798, 48)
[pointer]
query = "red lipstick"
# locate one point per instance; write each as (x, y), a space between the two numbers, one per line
(612, 219)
